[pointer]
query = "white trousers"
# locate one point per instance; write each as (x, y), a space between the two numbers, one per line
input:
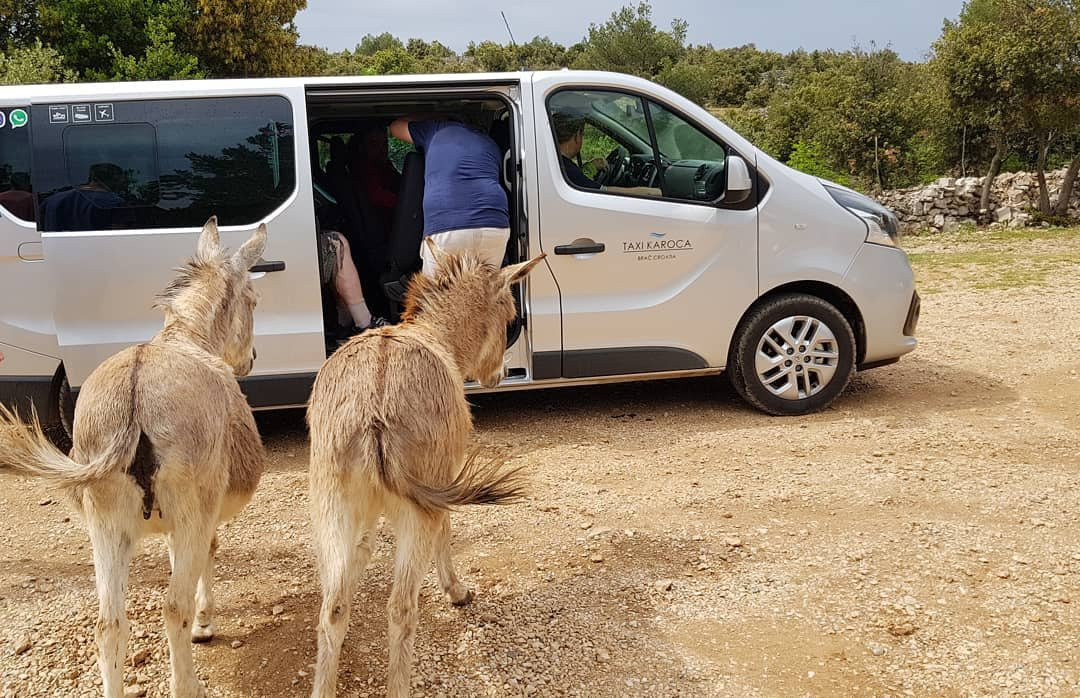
(487, 243)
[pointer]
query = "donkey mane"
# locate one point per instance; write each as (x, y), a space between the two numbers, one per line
(196, 271)
(423, 290)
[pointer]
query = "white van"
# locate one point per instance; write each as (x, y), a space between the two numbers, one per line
(689, 252)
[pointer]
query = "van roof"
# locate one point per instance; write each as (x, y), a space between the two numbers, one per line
(132, 90)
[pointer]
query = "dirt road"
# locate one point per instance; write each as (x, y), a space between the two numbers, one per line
(921, 537)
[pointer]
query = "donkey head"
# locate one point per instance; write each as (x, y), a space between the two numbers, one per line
(213, 300)
(472, 302)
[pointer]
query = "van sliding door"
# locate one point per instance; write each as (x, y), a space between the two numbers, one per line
(124, 186)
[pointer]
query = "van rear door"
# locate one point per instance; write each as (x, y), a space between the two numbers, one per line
(124, 185)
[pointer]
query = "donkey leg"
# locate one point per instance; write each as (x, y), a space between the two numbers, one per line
(460, 595)
(114, 544)
(416, 535)
(203, 628)
(190, 547)
(334, 525)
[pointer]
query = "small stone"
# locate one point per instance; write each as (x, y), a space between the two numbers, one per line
(277, 610)
(140, 656)
(45, 502)
(134, 691)
(733, 542)
(23, 645)
(663, 584)
(236, 644)
(1003, 574)
(902, 630)
(596, 557)
(877, 650)
(602, 656)
(586, 525)
(599, 531)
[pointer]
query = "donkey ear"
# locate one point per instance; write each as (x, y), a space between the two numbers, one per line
(437, 253)
(209, 242)
(251, 250)
(516, 272)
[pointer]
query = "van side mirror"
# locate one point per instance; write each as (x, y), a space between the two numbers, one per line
(739, 184)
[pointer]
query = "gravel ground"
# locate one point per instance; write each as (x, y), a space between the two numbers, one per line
(919, 538)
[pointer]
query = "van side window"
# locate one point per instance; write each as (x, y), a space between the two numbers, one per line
(16, 192)
(620, 143)
(166, 164)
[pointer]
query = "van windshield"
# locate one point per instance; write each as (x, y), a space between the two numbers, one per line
(16, 194)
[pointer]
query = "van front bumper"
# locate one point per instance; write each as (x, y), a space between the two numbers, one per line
(881, 283)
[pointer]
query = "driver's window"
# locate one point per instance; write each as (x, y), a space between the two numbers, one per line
(599, 134)
(605, 143)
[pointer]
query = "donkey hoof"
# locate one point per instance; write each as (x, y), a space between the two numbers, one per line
(188, 689)
(463, 600)
(202, 633)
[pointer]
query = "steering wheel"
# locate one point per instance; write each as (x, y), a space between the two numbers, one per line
(616, 161)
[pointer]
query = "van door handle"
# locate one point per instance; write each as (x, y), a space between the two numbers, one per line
(268, 267)
(580, 246)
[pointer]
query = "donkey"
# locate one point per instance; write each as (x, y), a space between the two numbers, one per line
(389, 425)
(164, 442)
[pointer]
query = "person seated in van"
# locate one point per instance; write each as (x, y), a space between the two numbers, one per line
(336, 267)
(465, 206)
(374, 175)
(92, 206)
(570, 137)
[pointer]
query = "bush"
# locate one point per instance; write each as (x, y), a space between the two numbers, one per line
(809, 157)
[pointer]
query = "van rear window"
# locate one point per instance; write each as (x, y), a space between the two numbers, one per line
(16, 193)
(164, 163)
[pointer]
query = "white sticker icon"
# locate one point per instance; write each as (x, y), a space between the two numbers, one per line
(58, 114)
(80, 113)
(103, 112)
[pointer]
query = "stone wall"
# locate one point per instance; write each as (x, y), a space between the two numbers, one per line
(950, 202)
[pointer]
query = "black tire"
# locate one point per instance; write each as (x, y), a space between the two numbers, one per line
(741, 359)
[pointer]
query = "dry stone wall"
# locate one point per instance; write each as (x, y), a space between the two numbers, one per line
(950, 202)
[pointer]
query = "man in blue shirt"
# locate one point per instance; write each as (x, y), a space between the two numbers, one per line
(465, 206)
(570, 137)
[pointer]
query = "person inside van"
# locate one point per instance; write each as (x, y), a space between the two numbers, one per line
(373, 174)
(336, 267)
(570, 137)
(465, 206)
(92, 206)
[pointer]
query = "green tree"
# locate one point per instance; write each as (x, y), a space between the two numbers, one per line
(162, 60)
(35, 64)
(370, 44)
(245, 38)
(629, 42)
(18, 22)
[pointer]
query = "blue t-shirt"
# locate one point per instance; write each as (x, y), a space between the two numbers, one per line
(576, 176)
(461, 178)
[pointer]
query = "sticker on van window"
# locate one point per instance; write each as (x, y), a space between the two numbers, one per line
(58, 114)
(103, 112)
(3, 119)
(80, 113)
(18, 118)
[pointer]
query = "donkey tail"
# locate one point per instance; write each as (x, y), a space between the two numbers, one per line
(25, 450)
(482, 480)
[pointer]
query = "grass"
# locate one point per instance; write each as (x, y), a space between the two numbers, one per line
(992, 259)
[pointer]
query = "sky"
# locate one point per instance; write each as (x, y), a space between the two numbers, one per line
(908, 26)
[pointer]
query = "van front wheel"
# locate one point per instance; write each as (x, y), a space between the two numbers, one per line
(792, 355)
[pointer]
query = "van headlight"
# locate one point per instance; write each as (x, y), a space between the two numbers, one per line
(882, 226)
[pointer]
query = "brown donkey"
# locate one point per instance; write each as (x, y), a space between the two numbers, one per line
(164, 442)
(389, 426)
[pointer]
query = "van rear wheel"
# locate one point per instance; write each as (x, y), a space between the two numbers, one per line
(792, 355)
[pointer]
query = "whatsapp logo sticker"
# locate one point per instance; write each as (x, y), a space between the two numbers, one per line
(18, 118)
